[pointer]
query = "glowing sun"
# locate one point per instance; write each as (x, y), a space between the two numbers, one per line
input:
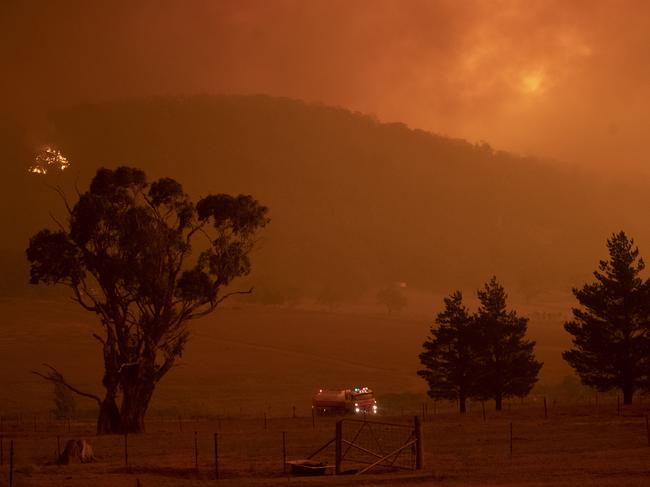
(533, 82)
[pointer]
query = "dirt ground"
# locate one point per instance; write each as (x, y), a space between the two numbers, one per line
(574, 446)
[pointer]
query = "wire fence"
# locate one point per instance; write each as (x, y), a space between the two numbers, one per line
(257, 445)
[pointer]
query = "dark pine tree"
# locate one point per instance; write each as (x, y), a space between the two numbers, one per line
(449, 358)
(508, 365)
(611, 329)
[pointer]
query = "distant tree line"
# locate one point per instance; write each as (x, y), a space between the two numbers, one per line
(485, 355)
(392, 298)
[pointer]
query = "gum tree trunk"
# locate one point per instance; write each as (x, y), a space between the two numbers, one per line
(498, 399)
(137, 396)
(628, 393)
(108, 421)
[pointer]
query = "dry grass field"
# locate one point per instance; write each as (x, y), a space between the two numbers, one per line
(246, 360)
(575, 445)
(244, 364)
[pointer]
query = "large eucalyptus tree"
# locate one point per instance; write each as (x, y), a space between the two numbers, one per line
(125, 251)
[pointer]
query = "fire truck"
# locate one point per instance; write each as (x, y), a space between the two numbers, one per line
(358, 400)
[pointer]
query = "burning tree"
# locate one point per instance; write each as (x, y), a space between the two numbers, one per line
(125, 252)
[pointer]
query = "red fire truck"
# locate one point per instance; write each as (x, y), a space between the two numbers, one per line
(358, 400)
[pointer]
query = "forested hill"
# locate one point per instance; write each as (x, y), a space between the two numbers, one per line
(355, 204)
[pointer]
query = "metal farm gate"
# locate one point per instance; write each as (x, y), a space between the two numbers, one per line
(362, 445)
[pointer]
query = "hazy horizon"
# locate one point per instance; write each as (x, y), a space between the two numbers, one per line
(558, 80)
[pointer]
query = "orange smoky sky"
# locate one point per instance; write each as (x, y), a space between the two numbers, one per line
(566, 79)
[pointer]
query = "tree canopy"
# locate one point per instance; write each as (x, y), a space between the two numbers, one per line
(449, 356)
(611, 328)
(126, 253)
(484, 355)
(508, 364)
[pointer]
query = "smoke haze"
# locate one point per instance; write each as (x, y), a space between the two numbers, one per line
(564, 80)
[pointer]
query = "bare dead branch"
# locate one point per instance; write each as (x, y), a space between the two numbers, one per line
(164, 368)
(59, 191)
(76, 186)
(79, 299)
(56, 377)
(226, 296)
(57, 222)
(214, 304)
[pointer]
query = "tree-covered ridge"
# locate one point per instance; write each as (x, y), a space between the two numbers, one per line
(357, 203)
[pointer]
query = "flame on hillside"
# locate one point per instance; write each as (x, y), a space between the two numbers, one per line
(47, 159)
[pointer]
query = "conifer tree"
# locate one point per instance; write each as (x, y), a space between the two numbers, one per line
(449, 357)
(611, 328)
(508, 366)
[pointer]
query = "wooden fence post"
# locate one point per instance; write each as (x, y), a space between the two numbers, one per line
(418, 444)
(216, 457)
(339, 446)
(293, 413)
(545, 409)
(284, 452)
(511, 439)
(196, 451)
(126, 450)
(11, 463)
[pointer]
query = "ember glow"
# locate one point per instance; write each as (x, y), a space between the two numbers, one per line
(48, 159)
